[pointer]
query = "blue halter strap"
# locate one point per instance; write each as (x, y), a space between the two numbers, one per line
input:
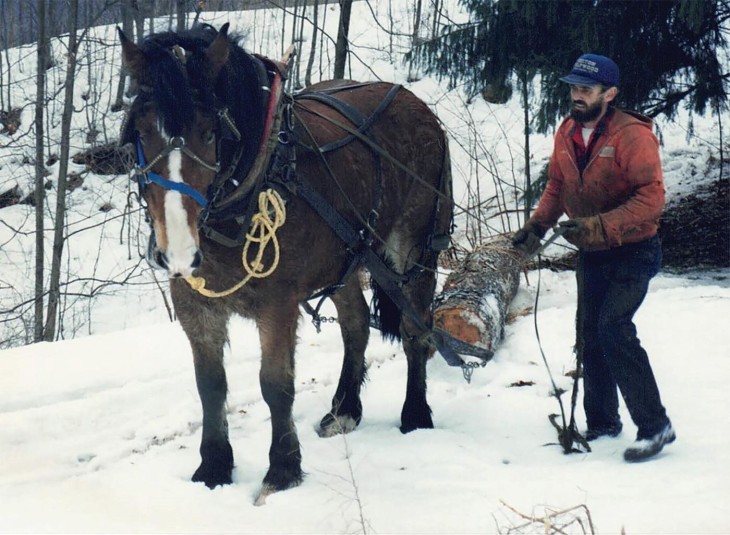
(151, 177)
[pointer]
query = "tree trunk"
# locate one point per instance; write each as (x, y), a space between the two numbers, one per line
(436, 17)
(341, 48)
(300, 39)
(313, 49)
(525, 89)
(283, 30)
(180, 11)
(473, 304)
(128, 29)
(294, 72)
(148, 10)
(415, 37)
(54, 293)
(3, 46)
(40, 170)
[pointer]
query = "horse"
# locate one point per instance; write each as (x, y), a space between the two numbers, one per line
(274, 199)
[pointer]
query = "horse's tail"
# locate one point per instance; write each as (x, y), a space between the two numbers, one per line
(385, 313)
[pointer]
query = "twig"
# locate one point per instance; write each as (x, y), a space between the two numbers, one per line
(554, 521)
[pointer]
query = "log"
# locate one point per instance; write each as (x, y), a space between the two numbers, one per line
(108, 159)
(476, 296)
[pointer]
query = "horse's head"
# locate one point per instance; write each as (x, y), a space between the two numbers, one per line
(174, 125)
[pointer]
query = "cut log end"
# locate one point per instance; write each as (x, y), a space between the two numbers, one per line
(461, 325)
(476, 296)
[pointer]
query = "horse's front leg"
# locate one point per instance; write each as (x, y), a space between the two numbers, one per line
(277, 331)
(206, 328)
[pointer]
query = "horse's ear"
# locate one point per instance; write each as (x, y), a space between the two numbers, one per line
(218, 51)
(134, 58)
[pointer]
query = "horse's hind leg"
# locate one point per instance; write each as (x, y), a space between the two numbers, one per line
(207, 331)
(419, 290)
(353, 316)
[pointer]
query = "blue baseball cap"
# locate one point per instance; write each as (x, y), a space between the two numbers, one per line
(592, 69)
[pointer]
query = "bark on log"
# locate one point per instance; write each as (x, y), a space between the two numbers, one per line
(476, 296)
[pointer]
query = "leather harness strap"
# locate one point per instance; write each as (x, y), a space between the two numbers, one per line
(380, 271)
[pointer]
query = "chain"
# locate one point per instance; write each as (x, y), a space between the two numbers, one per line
(318, 320)
(467, 368)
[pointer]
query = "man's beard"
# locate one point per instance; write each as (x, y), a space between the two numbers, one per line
(586, 115)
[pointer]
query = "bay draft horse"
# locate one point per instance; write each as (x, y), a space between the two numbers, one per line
(204, 133)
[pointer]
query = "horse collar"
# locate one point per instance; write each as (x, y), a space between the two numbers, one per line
(242, 187)
(237, 205)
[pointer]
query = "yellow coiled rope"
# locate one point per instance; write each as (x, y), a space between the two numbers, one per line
(262, 232)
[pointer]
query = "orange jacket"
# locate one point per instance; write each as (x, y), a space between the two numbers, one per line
(622, 182)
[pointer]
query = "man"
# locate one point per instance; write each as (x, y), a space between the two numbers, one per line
(605, 174)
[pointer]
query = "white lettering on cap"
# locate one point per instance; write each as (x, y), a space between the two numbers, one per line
(586, 65)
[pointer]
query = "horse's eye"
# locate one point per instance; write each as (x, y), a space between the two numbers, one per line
(208, 137)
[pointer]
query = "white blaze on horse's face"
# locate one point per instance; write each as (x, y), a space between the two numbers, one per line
(174, 213)
(182, 247)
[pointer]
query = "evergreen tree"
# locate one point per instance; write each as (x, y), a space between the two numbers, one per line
(667, 50)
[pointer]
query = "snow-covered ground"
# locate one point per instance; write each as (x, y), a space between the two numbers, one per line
(99, 434)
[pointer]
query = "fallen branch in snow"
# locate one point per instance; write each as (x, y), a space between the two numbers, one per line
(552, 521)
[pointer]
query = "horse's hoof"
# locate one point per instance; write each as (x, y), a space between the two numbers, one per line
(216, 466)
(264, 493)
(412, 421)
(268, 489)
(278, 480)
(212, 476)
(408, 428)
(336, 425)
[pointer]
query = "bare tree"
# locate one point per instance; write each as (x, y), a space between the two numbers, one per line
(313, 47)
(437, 4)
(180, 12)
(39, 192)
(49, 332)
(146, 9)
(5, 45)
(415, 37)
(342, 47)
(128, 10)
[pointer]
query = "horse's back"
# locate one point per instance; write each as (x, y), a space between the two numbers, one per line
(400, 171)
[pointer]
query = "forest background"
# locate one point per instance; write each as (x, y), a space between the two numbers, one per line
(498, 51)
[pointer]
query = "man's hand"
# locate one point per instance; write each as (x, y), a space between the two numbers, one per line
(527, 239)
(584, 231)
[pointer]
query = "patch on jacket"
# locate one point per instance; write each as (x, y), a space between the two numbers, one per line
(607, 152)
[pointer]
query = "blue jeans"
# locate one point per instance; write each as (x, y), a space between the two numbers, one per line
(614, 284)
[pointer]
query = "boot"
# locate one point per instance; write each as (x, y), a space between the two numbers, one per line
(645, 448)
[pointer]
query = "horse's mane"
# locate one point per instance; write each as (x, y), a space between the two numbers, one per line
(177, 88)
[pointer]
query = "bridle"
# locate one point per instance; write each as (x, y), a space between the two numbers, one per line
(144, 175)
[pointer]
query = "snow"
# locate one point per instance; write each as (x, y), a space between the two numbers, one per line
(99, 433)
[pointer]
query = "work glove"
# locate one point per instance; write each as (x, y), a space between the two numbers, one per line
(584, 232)
(527, 239)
